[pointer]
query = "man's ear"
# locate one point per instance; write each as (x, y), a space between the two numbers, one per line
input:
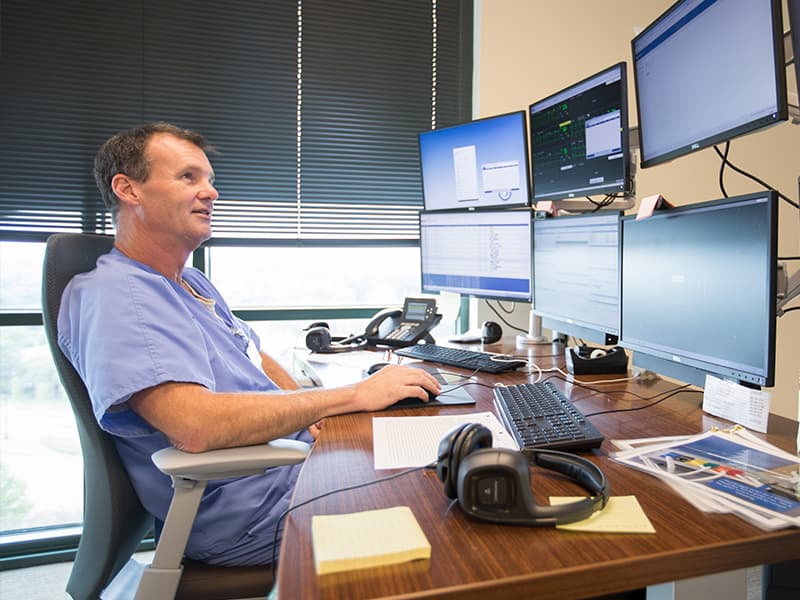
(125, 188)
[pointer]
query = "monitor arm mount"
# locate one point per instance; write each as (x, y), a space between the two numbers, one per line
(788, 288)
(535, 334)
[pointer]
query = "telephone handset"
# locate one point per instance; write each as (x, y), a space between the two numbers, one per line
(403, 327)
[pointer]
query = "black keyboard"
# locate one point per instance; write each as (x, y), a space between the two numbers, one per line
(539, 416)
(459, 357)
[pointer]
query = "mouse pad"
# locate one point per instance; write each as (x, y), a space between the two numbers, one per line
(452, 394)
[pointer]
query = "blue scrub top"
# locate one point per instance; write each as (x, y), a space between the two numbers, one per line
(126, 327)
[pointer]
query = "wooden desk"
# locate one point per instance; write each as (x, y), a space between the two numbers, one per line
(472, 559)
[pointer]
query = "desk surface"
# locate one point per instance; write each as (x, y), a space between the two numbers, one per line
(471, 558)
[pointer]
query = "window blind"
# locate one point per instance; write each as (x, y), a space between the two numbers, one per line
(314, 106)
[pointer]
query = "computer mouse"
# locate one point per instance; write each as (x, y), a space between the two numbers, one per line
(376, 367)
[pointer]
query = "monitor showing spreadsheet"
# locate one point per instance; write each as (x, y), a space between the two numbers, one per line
(485, 254)
(576, 275)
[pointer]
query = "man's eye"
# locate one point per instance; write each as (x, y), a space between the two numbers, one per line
(188, 176)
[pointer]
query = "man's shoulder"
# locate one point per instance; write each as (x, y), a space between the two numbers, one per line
(115, 272)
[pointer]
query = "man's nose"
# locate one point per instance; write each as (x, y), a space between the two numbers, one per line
(210, 192)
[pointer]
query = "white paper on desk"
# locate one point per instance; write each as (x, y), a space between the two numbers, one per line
(736, 403)
(404, 442)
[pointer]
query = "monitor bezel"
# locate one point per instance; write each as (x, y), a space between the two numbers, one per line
(570, 91)
(473, 294)
(793, 7)
(573, 325)
(675, 362)
(752, 125)
(500, 204)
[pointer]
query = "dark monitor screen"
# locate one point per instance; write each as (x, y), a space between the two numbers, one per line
(699, 290)
(479, 253)
(579, 138)
(706, 71)
(576, 275)
(483, 163)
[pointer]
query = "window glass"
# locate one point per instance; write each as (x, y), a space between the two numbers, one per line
(272, 277)
(41, 468)
(21, 280)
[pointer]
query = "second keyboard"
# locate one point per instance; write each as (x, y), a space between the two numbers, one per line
(460, 357)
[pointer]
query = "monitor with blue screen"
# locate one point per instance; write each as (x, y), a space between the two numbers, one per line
(706, 71)
(480, 164)
(485, 254)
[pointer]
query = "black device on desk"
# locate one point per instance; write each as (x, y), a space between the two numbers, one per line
(450, 394)
(539, 416)
(462, 358)
(585, 360)
(398, 328)
(389, 327)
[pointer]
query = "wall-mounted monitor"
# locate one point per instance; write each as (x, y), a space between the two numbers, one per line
(576, 275)
(579, 138)
(480, 164)
(698, 293)
(707, 71)
(486, 254)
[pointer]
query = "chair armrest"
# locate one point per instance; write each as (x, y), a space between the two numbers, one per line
(229, 462)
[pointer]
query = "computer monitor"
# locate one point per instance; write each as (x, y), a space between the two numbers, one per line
(483, 163)
(698, 293)
(707, 71)
(486, 254)
(576, 275)
(579, 138)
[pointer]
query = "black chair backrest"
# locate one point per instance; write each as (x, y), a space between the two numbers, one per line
(114, 521)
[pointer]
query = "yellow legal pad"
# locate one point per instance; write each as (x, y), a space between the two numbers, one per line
(367, 539)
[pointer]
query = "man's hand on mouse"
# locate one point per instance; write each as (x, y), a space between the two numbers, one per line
(393, 383)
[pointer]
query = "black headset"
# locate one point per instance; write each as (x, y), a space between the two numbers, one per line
(319, 339)
(495, 484)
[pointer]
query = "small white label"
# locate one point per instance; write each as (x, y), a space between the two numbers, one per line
(742, 405)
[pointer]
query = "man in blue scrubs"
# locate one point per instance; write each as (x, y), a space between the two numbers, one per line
(166, 361)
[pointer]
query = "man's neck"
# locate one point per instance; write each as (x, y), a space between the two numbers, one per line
(166, 258)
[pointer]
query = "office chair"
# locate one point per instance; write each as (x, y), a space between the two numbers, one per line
(115, 522)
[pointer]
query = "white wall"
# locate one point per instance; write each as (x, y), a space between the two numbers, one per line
(528, 49)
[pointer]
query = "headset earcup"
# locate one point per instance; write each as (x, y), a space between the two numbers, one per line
(318, 339)
(491, 332)
(458, 443)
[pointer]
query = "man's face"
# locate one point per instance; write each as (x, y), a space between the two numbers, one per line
(178, 196)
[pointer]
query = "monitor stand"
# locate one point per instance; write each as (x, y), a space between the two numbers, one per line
(534, 335)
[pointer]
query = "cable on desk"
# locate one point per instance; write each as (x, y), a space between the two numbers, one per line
(635, 408)
(587, 385)
(336, 491)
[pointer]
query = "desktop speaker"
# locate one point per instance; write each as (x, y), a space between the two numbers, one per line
(494, 484)
(319, 339)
